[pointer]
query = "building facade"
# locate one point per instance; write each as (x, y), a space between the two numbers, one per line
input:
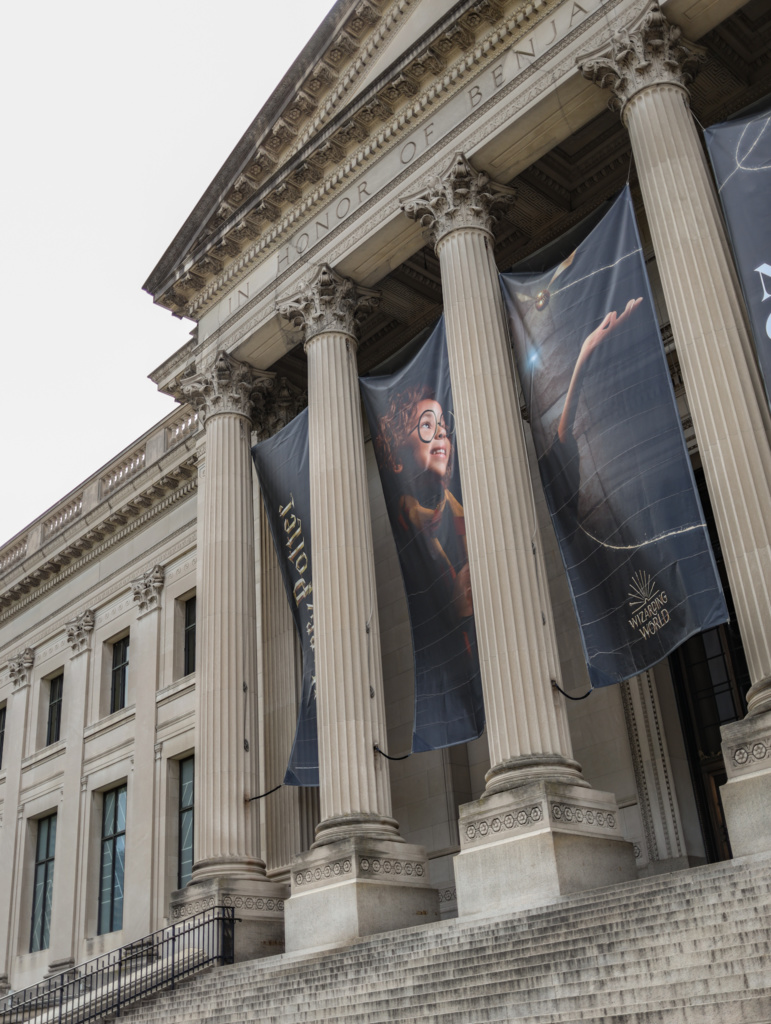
(149, 667)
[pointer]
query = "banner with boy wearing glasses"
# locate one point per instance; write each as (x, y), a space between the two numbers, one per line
(411, 421)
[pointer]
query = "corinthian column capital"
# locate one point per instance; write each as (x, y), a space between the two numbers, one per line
(460, 197)
(226, 386)
(649, 51)
(328, 302)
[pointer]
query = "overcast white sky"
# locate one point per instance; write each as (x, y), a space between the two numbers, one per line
(116, 117)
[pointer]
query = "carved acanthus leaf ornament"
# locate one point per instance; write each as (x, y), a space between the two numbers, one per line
(327, 302)
(277, 408)
(227, 386)
(146, 590)
(649, 51)
(20, 666)
(79, 631)
(460, 197)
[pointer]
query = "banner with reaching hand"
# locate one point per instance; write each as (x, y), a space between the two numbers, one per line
(283, 471)
(740, 151)
(611, 451)
(410, 416)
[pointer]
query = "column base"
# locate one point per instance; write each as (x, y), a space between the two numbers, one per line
(259, 911)
(59, 967)
(355, 887)
(527, 846)
(747, 794)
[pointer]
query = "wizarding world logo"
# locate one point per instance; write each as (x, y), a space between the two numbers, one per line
(647, 604)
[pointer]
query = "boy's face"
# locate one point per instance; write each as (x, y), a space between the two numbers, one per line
(427, 448)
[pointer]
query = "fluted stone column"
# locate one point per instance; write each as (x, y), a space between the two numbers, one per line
(384, 881)
(534, 787)
(227, 866)
(648, 67)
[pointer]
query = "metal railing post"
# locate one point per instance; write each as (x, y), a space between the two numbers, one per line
(173, 953)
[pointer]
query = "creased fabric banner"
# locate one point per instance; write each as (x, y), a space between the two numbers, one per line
(282, 469)
(410, 416)
(611, 452)
(740, 152)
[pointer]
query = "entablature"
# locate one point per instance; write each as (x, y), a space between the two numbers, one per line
(158, 470)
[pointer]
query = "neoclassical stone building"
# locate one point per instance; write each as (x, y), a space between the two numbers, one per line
(148, 662)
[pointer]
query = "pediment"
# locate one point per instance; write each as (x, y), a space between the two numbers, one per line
(362, 65)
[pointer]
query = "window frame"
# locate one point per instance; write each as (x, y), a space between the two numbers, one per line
(189, 635)
(55, 695)
(185, 814)
(119, 673)
(3, 717)
(112, 842)
(40, 918)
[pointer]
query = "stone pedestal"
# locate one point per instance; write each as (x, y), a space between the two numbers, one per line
(357, 887)
(356, 825)
(527, 846)
(258, 905)
(747, 756)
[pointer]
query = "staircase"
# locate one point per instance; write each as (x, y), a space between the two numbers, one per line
(691, 947)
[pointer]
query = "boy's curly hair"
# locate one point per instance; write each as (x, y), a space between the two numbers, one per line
(395, 425)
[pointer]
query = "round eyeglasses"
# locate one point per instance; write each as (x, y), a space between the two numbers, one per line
(428, 426)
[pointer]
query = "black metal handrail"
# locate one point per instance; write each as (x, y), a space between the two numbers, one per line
(103, 986)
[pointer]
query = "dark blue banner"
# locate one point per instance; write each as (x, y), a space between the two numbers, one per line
(611, 452)
(282, 469)
(410, 416)
(740, 152)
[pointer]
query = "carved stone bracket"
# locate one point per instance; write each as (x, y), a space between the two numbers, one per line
(649, 51)
(79, 631)
(460, 197)
(227, 386)
(20, 667)
(147, 589)
(327, 302)
(277, 408)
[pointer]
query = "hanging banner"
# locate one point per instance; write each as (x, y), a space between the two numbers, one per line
(410, 416)
(611, 452)
(740, 152)
(282, 469)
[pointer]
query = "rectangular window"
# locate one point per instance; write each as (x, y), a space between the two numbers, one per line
(120, 660)
(113, 861)
(43, 884)
(186, 794)
(2, 734)
(189, 636)
(53, 732)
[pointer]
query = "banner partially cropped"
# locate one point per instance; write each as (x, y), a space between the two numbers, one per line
(410, 416)
(740, 152)
(611, 451)
(282, 469)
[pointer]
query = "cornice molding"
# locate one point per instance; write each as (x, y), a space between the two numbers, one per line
(25, 591)
(438, 80)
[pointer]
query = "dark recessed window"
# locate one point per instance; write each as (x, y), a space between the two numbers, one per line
(53, 733)
(43, 884)
(113, 861)
(120, 661)
(189, 635)
(186, 794)
(2, 733)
